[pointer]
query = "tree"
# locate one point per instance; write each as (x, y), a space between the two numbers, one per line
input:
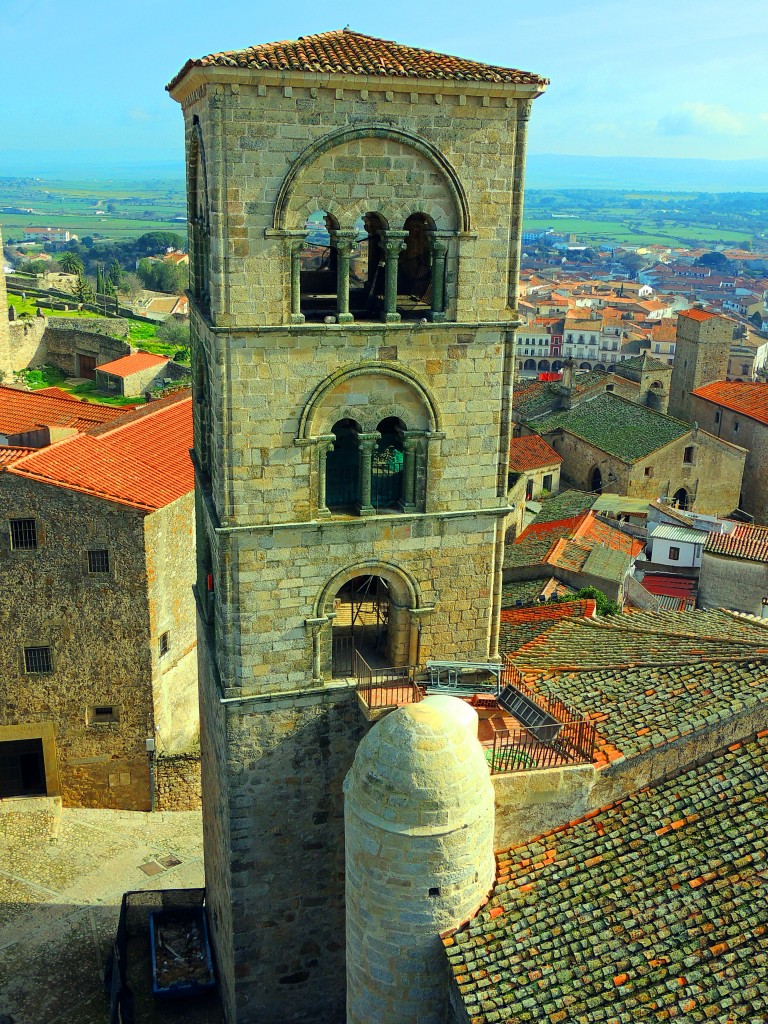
(604, 605)
(174, 331)
(34, 267)
(155, 242)
(713, 260)
(83, 289)
(115, 272)
(757, 320)
(71, 263)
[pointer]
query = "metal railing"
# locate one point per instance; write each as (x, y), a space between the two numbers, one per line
(385, 687)
(511, 676)
(515, 750)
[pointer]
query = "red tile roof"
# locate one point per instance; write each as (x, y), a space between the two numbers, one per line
(134, 363)
(745, 541)
(54, 392)
(9, 453)
(531, 452)
(748, 398)
(351, 53)
(697, 314)
(142, 461)
(23, 411)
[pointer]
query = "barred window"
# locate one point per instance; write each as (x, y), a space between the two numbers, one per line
(23, 534)
(98, 560)
(38, 659)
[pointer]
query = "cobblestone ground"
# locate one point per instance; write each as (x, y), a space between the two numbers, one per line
(62, 876)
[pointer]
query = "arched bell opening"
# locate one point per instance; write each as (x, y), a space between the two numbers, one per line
(367, 268)
(415, 268)
(368, 620)
(318, 275)
(342, 467)
(387, 464)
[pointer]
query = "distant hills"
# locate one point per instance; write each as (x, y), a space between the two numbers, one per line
(545, 171)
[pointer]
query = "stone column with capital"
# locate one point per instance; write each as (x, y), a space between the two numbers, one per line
(324, 445)
(368, 444)
(439, 253)
(410, 447)
(343, 243)
(295, 246)
(392, 244)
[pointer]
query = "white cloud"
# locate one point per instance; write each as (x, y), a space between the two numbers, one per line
(702, 119)
(139, 114)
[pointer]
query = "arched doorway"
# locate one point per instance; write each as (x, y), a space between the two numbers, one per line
(681, 498)
(596, 480)
(368, 619)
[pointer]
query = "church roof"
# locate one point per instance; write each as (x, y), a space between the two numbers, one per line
(345, 52)
(617, 426)
(648, 908)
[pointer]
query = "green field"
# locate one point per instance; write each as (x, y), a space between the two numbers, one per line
(616, 232)
(82, 225)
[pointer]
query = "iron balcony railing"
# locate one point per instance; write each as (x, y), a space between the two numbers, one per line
(386, 687)
(515, 750)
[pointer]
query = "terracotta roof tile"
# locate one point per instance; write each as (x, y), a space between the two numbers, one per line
(351, 53)
(10, 453)
(519, 625)
(23, 411)
(650, 908)
(745, 541)
(750, 399)
(696, 314)
(531, 452)
(134, 363)
(142, 460)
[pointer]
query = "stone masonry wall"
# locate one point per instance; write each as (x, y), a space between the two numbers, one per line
(170, 547)
(701, 356)
(177, 782)
(749, 434)
(287, 759)
(98, 629)
(26, 345)
(253, 133)
(65, 339)
(713, 480)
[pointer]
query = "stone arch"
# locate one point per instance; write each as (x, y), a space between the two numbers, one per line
(544, 365)
(585, 366)
(406, 398)
(595, 480)
(404, 588)
(347, 136)
(529, 364)
(682, 499)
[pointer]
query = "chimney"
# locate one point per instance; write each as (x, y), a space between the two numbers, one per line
(566, 385)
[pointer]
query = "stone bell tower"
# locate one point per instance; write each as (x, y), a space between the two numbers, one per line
(354, 216)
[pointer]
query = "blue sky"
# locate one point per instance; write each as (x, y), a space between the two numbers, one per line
(669, 78)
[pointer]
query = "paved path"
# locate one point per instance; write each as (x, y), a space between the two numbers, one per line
(62, 876)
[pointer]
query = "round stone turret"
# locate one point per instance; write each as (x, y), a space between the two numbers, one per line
(419, 857)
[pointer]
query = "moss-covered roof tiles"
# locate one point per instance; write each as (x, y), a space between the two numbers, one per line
(616, 426)
(652, 909)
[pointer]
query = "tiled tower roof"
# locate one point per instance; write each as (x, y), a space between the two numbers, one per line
(346, 52)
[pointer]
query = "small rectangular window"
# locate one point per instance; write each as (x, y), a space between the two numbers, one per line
(674, 554)
(165, 643)
(688, 455)
(23, 534)
(649, 470)
(38, 660)
(103, 714)
(98, 560)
